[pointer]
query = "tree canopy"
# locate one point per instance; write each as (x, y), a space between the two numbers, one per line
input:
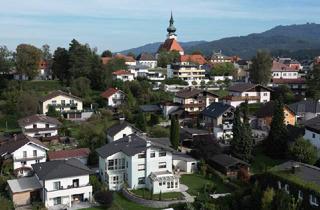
(313, 82)
(27, 60)
(260, 70)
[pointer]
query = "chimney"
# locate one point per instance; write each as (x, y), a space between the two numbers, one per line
(129, 138)
(294, 168)
(148, 143)
(15, 137)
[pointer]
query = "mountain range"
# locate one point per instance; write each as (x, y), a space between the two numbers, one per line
(289, 39)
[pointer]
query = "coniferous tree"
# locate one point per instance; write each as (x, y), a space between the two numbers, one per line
(246, 140)
(314, 82)
(276, 143)
(141, 122)
(236, 130)
(174, 132)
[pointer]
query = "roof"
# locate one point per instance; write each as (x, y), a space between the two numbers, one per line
(17, 142)
(216, 109)
(313, 124)
(121, 72)
(146, 57)
(171, 45)
(199, 59)
(304, 171)
(219, 56)
(125, 57)
(38, 118)
(113, 130)
(150, 108)
(289, 81)
(129, 145)
(67, 154)
(243, 87)
(226, 160)
(192, 92)
(183, 156)
(307, 105)
(280, 67)
(56, 93)
(60, 169)
(267, 110)
(194, 131)
(109, 92)
(24, 184)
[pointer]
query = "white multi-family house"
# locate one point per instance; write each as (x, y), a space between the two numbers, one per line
(218, 117)
(147, 59)
(139, 163)
(113, 97)
(253, 93)
(24, 151)
(39, 126)
(120, 130)
(64, 182)
(69, 105)
(312, 131)
(123, 75)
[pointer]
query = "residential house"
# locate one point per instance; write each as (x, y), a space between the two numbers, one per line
(218, 57)
(312, 131)
(138, 70)
(64, 182)
(265, 114)
(70, 106)
(147, 59)
(194, 100)
(218, 117)
(184, 163)
(306, 109)
(120, 130)
(195, 59)
(228, 165)
(113, 97)
(168, 107)
(139, 163)
(122, 75)
(81, 154)
(189, 135)
(23, 151)
(40, 126)
(129, 60)
(253, 93)
(189, 72)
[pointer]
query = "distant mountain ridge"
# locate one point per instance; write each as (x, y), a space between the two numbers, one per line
(289, 38)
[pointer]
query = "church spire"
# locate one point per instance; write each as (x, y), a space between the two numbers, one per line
(171, 29)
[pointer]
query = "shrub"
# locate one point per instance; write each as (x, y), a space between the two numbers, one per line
(104, 198)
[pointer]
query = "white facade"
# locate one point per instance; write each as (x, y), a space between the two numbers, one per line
(40, 129)
(285, 75)
(185, 166)
(313, 137)
(116, 99)
(124, 77)
(236, 98)
(62, 103)
(27, 155)
(128, 130)
(150, 63)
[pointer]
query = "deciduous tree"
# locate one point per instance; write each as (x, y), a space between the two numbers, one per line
(260, 70)
(27, 60)
(303, 151)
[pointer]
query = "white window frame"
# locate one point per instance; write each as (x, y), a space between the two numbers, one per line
(313, 200)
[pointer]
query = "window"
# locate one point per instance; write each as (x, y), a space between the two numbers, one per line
(246, 94)
(35, 153)
(142, 155)
(127, 164)
(300, 195)
(162, 165)
(279, 185)
(168, 185)
(313, 200)
(37, 161)
(162, 154)
(115, 180)
(71, 102)
(141, 180)
(47, 125)
(152, 154)
(110, 164)
(75, 183)
(160, 183)
(313, 135)
(265, 94)
(176, 184)
(34, 125)
(57, 201)
(141, 167)
(63, 102)
(24, 154)
(56, 185)
(23, 163)
(54, 102)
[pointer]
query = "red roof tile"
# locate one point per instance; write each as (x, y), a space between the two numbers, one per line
(125, 57)
(289, 81)
(199, 59)
(276, 67)
(106, 94)
(66, 154)
(121, 72)
(171, 45)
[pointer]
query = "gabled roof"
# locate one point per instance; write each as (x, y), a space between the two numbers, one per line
(109, 92)
(313, 124)
(125, 57)
(24, 184)
(308, 105)
(129, 145)
(67, 154)
(38, 118)
(226, 160)
(17, 142)
(56, 93)
(171, 45)
(146, 57)
(192, 92)
(60, 169)
(216, 109)
(198, 59)
(150, 108)
(113, 130)
(121, 72)
(288, 81)
(280, 67)
(267, 109)
(243, 87)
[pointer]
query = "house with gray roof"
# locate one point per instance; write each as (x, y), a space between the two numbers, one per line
(312, 131)
(306, 109)
(138, 162)
(120, 130)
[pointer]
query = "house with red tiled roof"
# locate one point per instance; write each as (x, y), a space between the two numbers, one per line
(196, 59)
(81, 154)
(123, 75)
(113, 97)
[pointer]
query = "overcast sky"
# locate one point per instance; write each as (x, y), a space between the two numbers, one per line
(123, 24)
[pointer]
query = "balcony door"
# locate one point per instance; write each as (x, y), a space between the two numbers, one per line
(75, 183)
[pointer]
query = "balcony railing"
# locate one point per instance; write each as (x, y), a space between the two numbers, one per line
(69, 187)
(74, 105)
(29, 158)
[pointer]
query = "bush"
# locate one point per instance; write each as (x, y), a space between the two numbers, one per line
(158, 132)
(6, 204)
(303, 151)
(104, 198)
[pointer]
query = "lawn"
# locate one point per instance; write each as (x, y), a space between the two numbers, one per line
(165, 196)
(195, 182)
(42, 87)
(121, 203)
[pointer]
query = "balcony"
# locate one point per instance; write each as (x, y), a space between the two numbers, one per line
(74, 105)
(29, 158)
(69, 187)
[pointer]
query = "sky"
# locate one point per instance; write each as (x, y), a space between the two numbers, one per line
(122, 24)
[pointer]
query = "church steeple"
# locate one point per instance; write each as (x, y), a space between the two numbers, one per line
(171, 29)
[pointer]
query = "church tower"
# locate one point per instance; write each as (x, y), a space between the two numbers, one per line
(171, 29)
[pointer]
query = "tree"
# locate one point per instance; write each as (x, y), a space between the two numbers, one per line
(223, 69)
(165, 58)
(267, 198)
(46, 55)
(313, 82)
(5, 203)
(276, 142)
(6, 60)
(303, 151)
(104, 198)
(96, 75)
(106, 53)
(141, 121)
(27, 104)
(260, 70)
(154, 119)
(175, 132)
(27, 60)
(237, 131)
(131, 54)
(52, 112)
(81, 87)
(283, 92)
(60, 65)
